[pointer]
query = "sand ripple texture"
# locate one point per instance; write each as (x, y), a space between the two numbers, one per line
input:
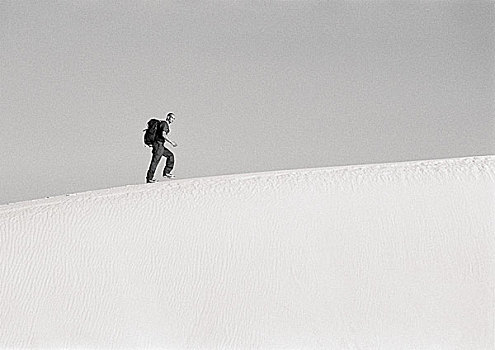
(387, 256)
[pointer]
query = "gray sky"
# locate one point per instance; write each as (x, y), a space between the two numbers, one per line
(256, 86)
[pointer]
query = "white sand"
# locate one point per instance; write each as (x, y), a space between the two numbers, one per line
(389, 256)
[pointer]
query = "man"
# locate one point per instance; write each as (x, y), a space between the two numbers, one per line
(160, 151)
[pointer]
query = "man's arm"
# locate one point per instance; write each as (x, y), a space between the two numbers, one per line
(169, 141)
(165, 132)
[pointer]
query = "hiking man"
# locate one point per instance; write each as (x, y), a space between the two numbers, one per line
(159, 150)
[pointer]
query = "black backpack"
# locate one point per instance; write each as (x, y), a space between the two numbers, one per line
(150, 133)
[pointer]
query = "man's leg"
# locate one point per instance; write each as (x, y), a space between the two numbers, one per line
(155, 160)
(170, 162)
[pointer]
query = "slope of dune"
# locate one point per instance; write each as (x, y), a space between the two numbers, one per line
(389, 256)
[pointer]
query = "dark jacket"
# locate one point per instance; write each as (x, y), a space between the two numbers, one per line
(163, 129)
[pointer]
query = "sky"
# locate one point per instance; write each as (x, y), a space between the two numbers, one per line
(255, 86)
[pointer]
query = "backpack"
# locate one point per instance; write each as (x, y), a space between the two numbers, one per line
(150, 132)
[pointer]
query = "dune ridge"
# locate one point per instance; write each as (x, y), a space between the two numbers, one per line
(397, 255)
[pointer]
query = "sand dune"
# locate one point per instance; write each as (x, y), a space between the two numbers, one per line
(389, 256)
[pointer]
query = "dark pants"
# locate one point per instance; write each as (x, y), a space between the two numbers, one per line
(160, 151)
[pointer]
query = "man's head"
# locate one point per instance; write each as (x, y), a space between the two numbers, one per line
(170, 118)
